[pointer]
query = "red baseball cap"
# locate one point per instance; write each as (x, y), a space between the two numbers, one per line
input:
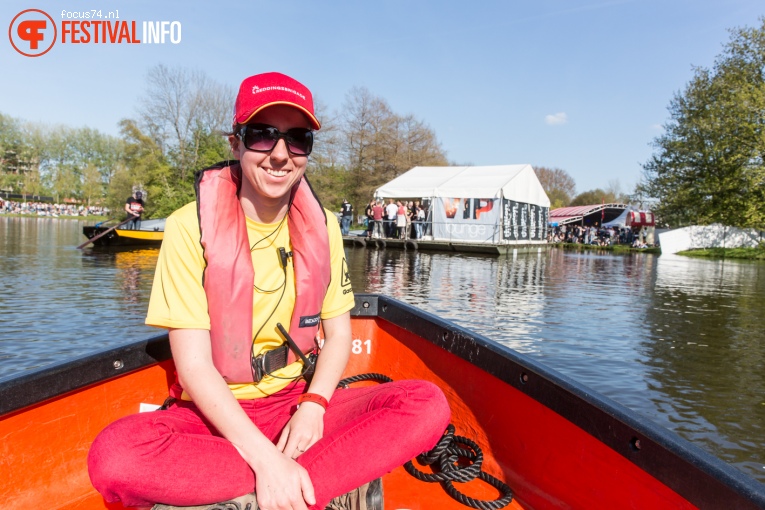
(268, 89)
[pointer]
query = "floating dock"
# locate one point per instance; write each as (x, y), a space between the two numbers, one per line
(443, 246)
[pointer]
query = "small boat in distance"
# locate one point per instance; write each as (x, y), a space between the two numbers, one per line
(554, 442)
(150, 233)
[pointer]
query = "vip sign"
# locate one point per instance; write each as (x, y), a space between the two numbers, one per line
(34, 32)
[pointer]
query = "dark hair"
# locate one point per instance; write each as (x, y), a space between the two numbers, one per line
(234, 130)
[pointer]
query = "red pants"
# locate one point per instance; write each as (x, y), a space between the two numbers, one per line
(175, 456)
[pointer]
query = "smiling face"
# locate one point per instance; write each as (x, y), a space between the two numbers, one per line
(268, 177)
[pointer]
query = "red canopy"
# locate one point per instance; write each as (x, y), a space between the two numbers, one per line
(641, 219)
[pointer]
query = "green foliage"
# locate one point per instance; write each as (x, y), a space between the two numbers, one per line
(616, 248)
(594, 197)
(18, 156)
(143, 166)
(709, 165)
(177, 131)
(558, 184)
(727, 253)
(365, 146)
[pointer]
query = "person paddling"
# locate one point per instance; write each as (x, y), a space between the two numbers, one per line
(245, 276)
(134, 206)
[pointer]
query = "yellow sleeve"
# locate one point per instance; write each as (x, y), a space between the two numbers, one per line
(177, 297)
(339, 298)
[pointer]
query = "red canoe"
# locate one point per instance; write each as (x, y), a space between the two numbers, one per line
(556, 443)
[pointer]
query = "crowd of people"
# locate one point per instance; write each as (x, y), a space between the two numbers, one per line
(51, 210)
(395, 220)
(596, 235)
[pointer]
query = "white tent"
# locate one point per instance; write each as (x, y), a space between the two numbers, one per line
(620, 221)
(493, 204)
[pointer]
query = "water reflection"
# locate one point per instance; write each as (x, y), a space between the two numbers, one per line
(676, 339)
(706, 350)
(58, 302)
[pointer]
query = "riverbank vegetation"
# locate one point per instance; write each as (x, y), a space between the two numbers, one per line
(757, 253)
(90, 218)
(616, 248)
(709, 165)
(179, 127)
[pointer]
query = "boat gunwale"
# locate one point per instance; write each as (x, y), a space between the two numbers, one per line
(704, 480)
(123, 237)
(695, 474)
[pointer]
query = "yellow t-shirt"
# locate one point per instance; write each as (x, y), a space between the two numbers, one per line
(178, 299)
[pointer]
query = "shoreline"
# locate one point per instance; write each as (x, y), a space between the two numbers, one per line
(61, 217)
(726, 253)
(616, 248)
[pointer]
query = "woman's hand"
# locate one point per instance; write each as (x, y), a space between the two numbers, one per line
(281, 483)
(303, 430)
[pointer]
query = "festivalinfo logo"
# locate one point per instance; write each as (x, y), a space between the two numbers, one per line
(33, 32)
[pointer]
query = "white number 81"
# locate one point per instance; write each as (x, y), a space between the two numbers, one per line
(357, 346)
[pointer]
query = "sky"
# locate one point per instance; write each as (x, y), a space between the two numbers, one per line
(579, 85)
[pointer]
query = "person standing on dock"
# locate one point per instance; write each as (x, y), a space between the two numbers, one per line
(419, 218)
(347, 217)
(369, 212)
(401, 220)
(377, 213)
(245, 277)
(134, 209)
(391, 211)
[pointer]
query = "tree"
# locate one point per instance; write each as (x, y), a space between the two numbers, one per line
(558, 184)
(65, 182)
(92, 184)
(378, 145)
(18, 156)
(143, 163)
(594, 197)
(709, 165)
(326, 173)
(614, 188)
(180, 111)
(32, 184)
(179, 131)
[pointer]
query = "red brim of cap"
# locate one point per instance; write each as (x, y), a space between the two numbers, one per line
(315, 124)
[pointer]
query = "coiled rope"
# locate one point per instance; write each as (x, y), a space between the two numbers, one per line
(446, 454)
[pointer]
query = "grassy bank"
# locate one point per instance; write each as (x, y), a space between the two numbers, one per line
(616, 248)
(728, 253)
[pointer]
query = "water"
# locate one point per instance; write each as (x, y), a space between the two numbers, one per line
(58, 302)
(679, 340)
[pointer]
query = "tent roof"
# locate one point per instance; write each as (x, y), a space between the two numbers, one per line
(619, 221)
(514, 182)
(574, 214)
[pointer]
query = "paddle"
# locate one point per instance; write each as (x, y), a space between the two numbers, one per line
(99, 236)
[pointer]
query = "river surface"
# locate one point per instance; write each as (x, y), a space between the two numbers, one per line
(679, 340)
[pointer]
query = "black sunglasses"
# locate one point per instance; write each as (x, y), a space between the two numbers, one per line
(263, 138)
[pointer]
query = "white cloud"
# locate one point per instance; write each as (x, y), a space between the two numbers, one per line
(557, 119)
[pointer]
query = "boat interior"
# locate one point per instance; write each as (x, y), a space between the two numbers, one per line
(555, 443)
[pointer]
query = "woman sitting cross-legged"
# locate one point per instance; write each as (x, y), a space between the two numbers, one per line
(252, 263)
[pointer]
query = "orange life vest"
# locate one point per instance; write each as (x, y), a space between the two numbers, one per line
(229, 275)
